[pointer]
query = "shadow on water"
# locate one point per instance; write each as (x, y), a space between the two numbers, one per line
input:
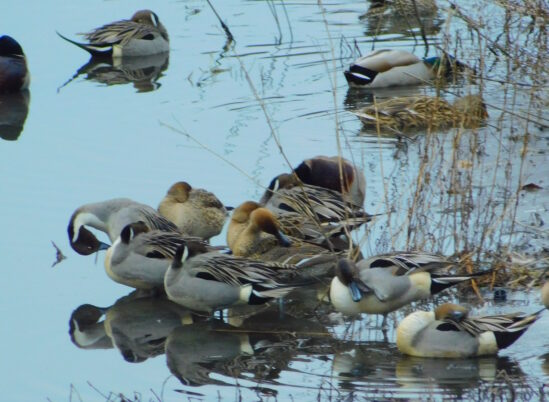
(14, 108)
(143, 72)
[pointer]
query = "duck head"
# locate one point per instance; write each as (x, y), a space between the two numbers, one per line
(451, 311)
(326, 172)
(346, 272)
(149, 17)
(9, 47)
(180, 191)
(81, 239)
(284, 180)
(242, 213)
(265, 221)
(132, 230)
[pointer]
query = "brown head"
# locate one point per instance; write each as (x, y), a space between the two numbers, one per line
(346, 271)
(265, 221)
(149, 17)
(327, 172)
(180, 191)
(284, 180)
(451, 311)
(242, 213)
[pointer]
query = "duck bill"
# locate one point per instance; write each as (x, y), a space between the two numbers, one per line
(103, 246)
(283, 240)
(356, 295)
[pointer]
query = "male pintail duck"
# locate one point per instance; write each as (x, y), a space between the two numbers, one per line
(287, 193)
(110, 217)
(14, 75)
(260, 237)
(385, 283)
(86, 329)
(332, 172)
(195, 211)
(450, 332)
(142, 35)
(419, 112)
(139, 257)
(292, 224)
(387, 68)
(212, 281)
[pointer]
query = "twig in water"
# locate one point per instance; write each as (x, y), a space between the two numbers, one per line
(230, 36)
(59, 256)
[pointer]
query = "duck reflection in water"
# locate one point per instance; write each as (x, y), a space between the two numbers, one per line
(14, 108)
(144, 72)
(258, 350)
(137, 327)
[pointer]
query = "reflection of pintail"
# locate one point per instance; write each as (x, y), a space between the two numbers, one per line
(144, 72)
(86, 329)
(385, 283)
(136, 326)
(14, 74)
(14, 108)
(142, 35)
(449, 331)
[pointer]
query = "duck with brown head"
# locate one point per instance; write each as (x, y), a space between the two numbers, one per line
(195, 211)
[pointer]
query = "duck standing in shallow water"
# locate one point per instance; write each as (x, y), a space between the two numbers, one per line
(420, 112)
(385, 283)
(212, 281)
(195, 211)
(14, 74)
(386, 68)
(450, 332)
(142, 35)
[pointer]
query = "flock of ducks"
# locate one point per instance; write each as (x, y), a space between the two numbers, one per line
(298, 233)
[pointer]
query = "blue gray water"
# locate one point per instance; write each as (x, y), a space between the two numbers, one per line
(213, 116)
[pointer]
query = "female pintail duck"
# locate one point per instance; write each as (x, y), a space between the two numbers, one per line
(212, 281)
(195, 211)
(139, 257)
(142, 35)
(286, 193)
(14, 75)
(387, 68)
(281, 225)
(450, 332)
(385, 283)
(331, 172)
(420, 112)
(110, 217)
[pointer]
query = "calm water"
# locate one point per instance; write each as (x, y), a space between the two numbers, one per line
(88, 141)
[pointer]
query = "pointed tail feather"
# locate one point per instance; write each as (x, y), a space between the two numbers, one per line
(95, 51)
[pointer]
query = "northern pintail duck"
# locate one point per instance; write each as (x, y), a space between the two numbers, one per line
(86, 329)
(280, 225)
(331, 172)
(139, 257)
(449, 331)
(212, 281)
(287, 194)
(261, 237)
(14, 74)
(387, 68)
(385, 283)
(110, 217)
(142, 35)
(195, 211)
(419, 112)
